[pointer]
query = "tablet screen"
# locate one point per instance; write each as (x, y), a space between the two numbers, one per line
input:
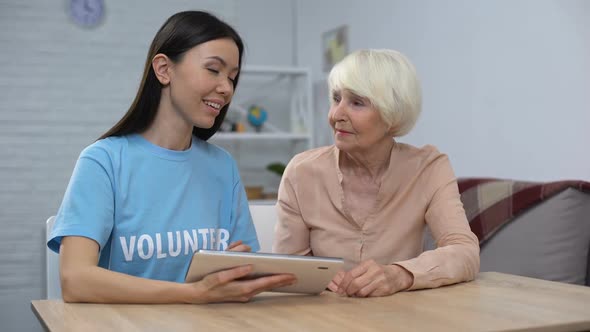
(313, 273)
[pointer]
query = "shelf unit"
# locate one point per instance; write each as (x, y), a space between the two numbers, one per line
(269, 79)
(286, 95)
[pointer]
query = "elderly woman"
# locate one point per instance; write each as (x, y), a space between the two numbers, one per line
(368, 198)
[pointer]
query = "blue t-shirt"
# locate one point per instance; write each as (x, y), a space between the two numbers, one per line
(150, 208)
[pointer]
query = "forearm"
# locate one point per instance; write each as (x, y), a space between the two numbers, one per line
(98, 285)
(443, 266)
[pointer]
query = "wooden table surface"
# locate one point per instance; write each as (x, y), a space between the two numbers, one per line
(493, 302)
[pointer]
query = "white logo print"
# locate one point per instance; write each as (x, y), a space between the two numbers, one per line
(146, 245)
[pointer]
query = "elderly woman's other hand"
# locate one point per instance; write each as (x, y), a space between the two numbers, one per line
(333, 285)
(372, 279)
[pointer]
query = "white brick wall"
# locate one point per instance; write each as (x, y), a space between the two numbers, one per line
(61, 86)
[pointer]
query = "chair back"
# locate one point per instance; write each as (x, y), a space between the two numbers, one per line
(53, 284)
(265, 218)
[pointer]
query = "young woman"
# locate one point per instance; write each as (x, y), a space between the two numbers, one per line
(151, 190)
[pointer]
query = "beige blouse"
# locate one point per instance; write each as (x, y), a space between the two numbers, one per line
(418, 189)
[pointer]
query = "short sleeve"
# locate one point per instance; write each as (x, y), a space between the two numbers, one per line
(87, 208)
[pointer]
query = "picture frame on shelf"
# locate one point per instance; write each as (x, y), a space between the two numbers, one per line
(334, 46)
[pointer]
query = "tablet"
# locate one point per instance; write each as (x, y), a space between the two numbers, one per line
(313, 273)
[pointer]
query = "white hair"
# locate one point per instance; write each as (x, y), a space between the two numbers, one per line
(385, 77)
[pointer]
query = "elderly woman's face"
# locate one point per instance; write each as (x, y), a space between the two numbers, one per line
(357, 124)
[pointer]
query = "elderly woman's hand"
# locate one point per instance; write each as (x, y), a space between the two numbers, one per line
(372, 279)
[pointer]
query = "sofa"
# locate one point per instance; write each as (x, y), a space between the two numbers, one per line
(539, 230)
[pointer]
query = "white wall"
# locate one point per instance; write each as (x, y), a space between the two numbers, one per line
(62, 86)
(506, 84)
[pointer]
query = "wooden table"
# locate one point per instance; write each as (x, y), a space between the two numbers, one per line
(493, 302)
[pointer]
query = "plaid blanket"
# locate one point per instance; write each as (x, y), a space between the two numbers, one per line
(492, 203)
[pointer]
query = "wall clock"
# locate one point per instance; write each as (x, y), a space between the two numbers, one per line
(86, 13)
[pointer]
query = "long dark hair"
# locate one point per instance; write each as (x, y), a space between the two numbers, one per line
(180, 33)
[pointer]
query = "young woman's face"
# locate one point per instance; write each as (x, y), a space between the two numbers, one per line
(357, 124)
(202, 82)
